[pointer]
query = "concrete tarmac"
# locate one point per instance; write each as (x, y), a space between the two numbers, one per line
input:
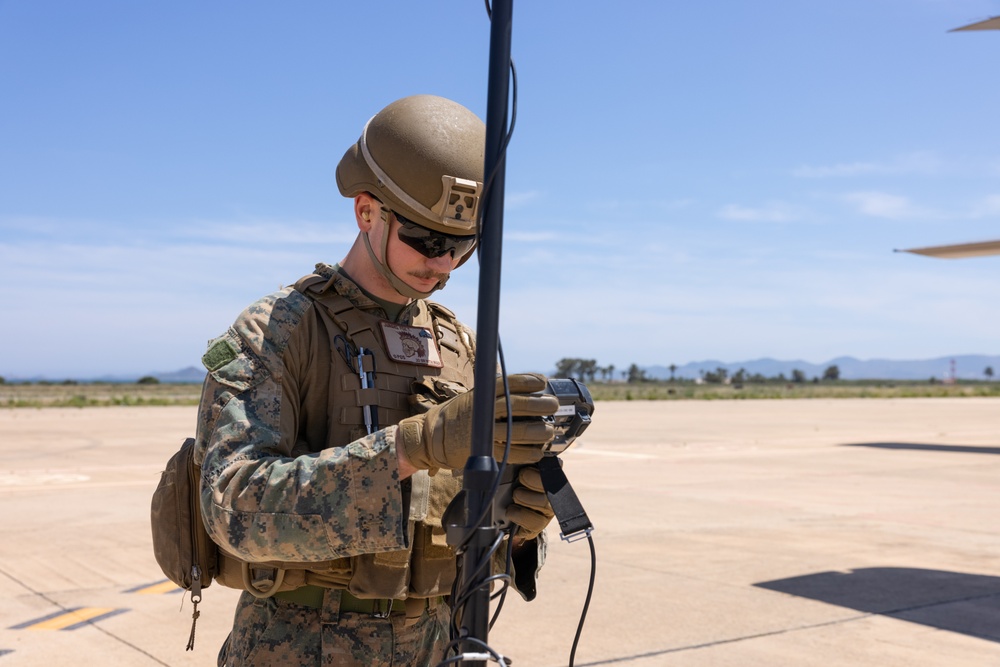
(727, 533)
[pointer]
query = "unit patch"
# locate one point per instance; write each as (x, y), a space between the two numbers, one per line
(220, 352)
(411, 345)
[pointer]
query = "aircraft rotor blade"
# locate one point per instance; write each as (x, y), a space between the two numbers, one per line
(988, 24)
(957, 251)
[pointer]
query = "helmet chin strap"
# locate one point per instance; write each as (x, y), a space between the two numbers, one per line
(394, 280)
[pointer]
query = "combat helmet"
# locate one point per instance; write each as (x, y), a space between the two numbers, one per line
(422, 157)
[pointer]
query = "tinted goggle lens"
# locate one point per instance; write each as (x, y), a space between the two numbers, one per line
(430, 243)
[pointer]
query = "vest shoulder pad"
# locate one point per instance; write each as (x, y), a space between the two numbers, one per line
(443, 318)
(441, 311)
(314, 283)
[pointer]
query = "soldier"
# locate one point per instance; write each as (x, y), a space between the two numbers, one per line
(335, 412)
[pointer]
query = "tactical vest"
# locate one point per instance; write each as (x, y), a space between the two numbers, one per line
(427, 568)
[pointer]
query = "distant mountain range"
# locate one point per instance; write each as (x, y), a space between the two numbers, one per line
(966, 367)
(189, 374)
(185, 375)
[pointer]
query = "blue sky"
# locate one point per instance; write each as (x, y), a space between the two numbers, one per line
(716, 180)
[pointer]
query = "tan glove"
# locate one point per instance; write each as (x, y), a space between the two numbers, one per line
(442, 437)
(530, 510)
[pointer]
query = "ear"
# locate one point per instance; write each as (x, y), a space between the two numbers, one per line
(365, 211)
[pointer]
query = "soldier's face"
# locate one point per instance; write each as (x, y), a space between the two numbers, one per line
(416, 270)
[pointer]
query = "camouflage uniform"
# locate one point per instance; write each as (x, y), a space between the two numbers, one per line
(276, 632)
(292, 484)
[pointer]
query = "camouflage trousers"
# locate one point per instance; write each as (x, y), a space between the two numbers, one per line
(277, 632)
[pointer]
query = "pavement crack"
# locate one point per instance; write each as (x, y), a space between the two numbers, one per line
(107, 633)
(937, 603)
(720, 642)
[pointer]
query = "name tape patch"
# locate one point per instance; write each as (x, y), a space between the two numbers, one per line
(411, 345)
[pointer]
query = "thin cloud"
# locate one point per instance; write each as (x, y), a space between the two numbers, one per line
(885, 205)
(674, 204)
(773, 212)
(897, 207)
(777, 312)
(920, 163)
(256, 233)
(530, 237)
(518, 199)
(635, 204)
(269, 233)
(987, 207)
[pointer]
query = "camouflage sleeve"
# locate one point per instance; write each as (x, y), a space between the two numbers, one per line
(260, 502)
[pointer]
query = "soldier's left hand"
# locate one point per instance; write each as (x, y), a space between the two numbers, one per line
(530, 508)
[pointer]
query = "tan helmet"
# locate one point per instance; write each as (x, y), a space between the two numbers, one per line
(422, 157)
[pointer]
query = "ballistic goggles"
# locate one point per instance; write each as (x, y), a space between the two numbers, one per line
(430, 243)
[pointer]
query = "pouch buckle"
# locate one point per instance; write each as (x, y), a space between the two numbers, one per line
(381, 608)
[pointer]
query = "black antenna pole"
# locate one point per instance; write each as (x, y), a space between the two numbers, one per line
(481, 468)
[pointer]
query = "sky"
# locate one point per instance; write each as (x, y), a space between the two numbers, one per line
(686, 181)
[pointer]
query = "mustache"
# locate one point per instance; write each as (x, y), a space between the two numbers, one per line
(427, 274)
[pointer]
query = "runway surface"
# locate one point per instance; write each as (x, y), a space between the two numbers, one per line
(728, 533)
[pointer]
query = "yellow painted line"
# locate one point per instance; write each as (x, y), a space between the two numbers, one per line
(73, 617)
(70, 619)
(157, 589)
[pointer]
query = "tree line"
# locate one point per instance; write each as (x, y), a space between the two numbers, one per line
(721, 376)
(588, 370)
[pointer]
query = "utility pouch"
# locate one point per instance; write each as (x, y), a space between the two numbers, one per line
(183, 549)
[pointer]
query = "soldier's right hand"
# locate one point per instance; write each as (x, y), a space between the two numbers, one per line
(441, 437)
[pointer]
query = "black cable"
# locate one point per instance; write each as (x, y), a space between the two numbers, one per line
(502, 466)
(506, 141)
(586, 604)
(481, 567)
(508, 568)
(482, 215)
(486, 647)
(460, 596)
(503, 147)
